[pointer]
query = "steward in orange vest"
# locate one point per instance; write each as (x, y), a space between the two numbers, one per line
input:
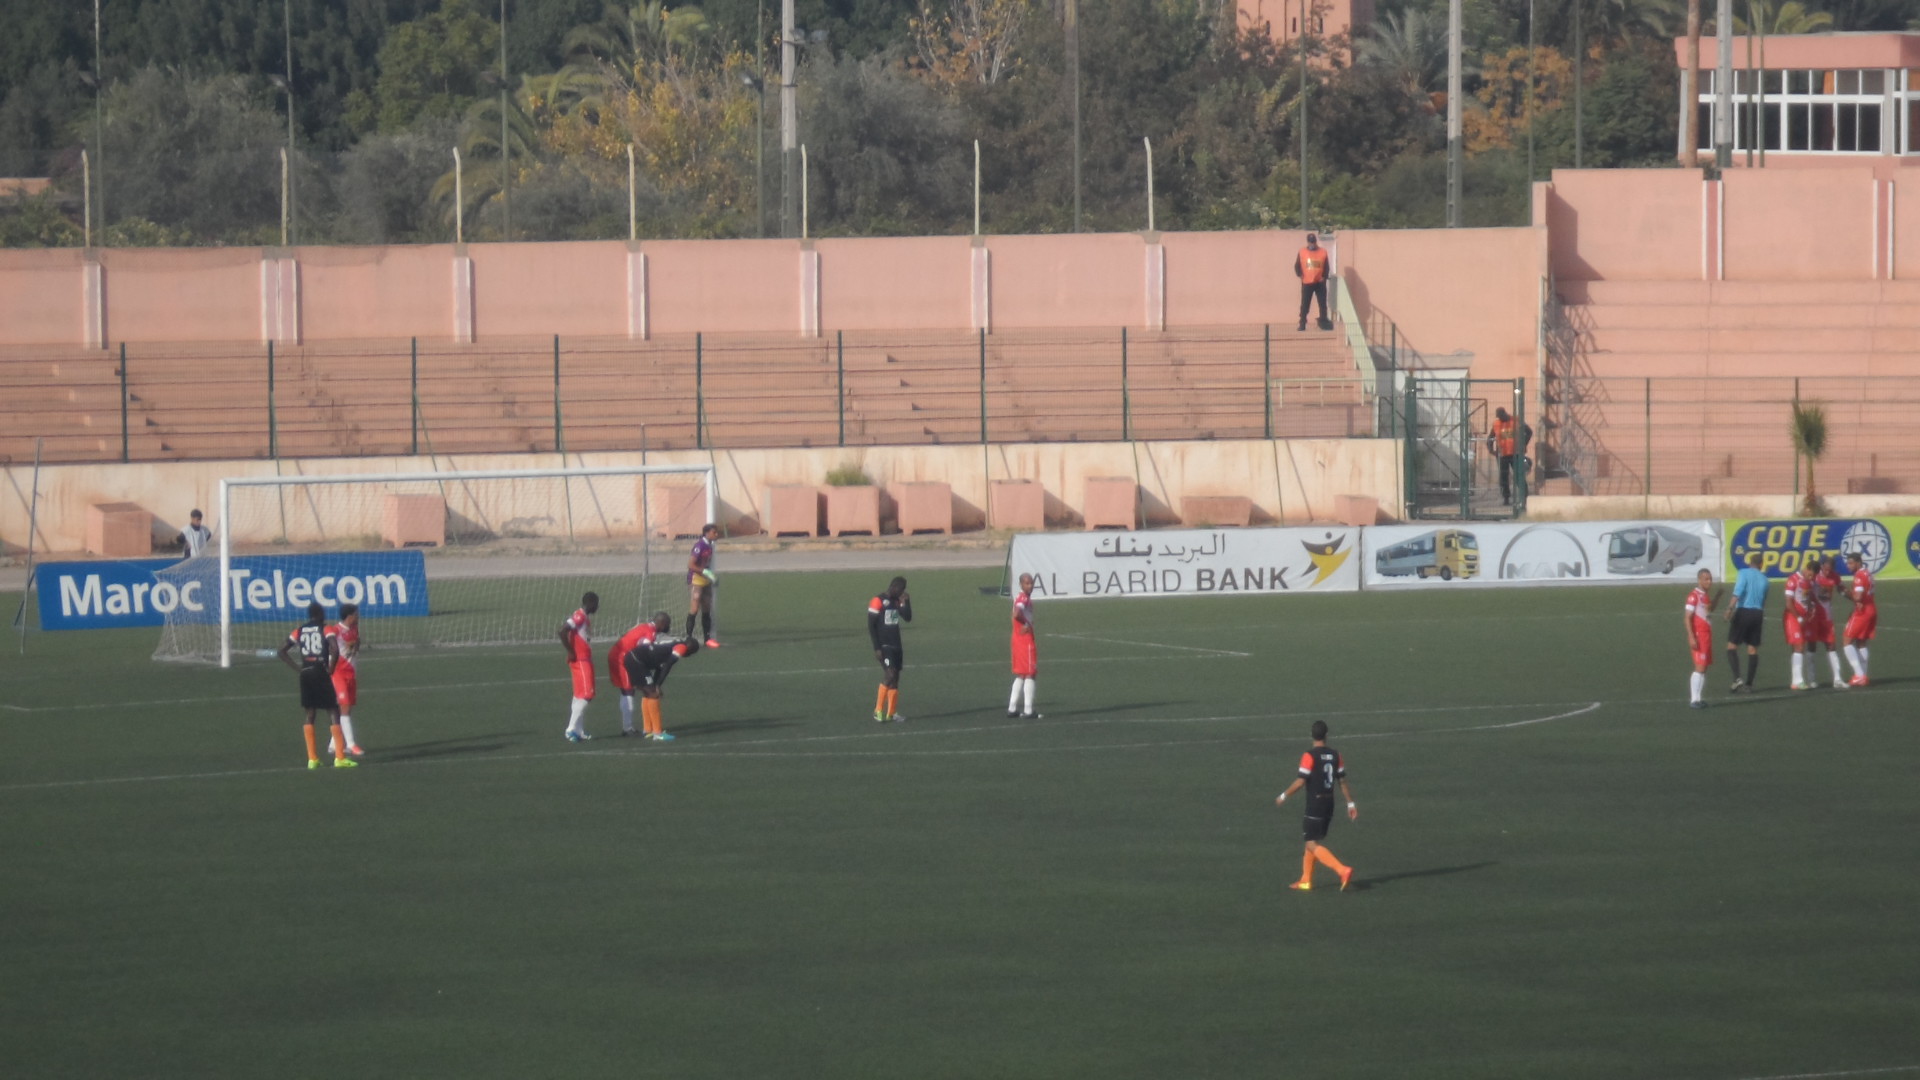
(1310, 266)
(1503, 442)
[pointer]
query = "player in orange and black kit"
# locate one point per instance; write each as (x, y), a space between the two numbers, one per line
(642, 634)
(885, 613)
(316, 682)
(647, 667)
(1321, 771)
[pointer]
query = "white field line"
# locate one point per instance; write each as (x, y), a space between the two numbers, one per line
(895, 734)
(1153, 645)
(557, 679)
(1888, 1070)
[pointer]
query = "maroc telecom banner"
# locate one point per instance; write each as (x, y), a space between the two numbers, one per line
(1469, 554)
(1188, 562)
(1892, 543)
(265, 588)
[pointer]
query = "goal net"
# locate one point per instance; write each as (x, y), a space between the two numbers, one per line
(438, 559)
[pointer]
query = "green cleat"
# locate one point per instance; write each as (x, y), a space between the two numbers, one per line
(345, 763)
(313, 763)
(878, 717)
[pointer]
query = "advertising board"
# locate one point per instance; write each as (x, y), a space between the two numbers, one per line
(1892, 544)
(1480, 554)
(1188, 562)
(263, 588)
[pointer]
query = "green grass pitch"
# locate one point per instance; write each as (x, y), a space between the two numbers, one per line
(1623, 888)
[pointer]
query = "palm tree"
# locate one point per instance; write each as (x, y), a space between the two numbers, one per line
(486, 167)
(1411, 49)
(1810, 442)
(1792, 17)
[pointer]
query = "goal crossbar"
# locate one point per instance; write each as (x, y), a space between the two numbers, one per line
(228, 484)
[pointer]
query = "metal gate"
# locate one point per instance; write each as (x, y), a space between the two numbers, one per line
(1452, 471)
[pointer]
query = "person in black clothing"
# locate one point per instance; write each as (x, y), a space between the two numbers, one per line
(648, 665)
(317, 654)
(885, 613)
(1321, 771)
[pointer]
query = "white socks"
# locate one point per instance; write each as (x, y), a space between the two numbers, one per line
(1833, 659)
(1798, 667)
(575, 723)
(626, 712)
(1698, 684)
(1021, 688)
(346, 728)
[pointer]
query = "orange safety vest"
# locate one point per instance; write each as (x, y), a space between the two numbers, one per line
(1313, 265)
(1503, 437)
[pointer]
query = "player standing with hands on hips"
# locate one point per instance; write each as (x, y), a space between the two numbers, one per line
(1321, 770)
(316, 682)
(700, 579)
(1026, 652)
(885, 613)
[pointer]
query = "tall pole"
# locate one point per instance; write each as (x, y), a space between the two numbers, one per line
(289, 225)
(976, 187)
(1149, 143)
(1580, 85)
(99, 129)
(759, 119)
(1073, 82)
(1533, 76)
(1306, 199)
(633, 197)
(459, 200)
(1753, 103)
(1690, 91)
(1454, 141)
(1723, 87)
(286, 191)
(506, 172)
(789, 126)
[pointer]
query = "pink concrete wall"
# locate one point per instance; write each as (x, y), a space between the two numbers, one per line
(542, 289)
(723, 286)
(1906, 227)
(1224, 278)
(181, 295)
(1623, 224)
(896, 283)
(1462, 297)
(1085, 280)
(375, 292)
(42, 297)
(1799, 225)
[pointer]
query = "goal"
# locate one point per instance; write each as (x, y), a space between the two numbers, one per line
(438, 559)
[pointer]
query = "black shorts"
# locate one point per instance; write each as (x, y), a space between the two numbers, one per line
(892, 657)
(316, 689)
(1319, 817)
(1746, 626)
(646, 676)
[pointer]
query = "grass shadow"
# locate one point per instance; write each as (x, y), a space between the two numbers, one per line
(465, 744)
(1362, 884)
(716, 727)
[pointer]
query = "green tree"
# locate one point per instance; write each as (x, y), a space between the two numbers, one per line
(887, 155)
(429, 67)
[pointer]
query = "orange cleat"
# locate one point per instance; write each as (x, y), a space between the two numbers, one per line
(712, 644)
(1857, 680)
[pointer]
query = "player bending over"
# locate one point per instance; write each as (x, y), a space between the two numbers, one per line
(1699, 620)
(576, 637)
(1865, 618)
(885, 613)
(1321, 770)
(641, 634)
(1026, 652)
(346, 680)
(1821, 585)
(647, 668)
(316, 682)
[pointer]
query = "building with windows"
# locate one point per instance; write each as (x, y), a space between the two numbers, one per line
(1282, 19)
(1815, 99)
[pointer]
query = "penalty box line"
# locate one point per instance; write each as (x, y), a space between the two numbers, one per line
(578, 754)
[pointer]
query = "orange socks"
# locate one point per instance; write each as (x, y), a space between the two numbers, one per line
(339, 743)
(880, 702)
(650, 715)
(1326, 858)
(313, 749)
(893, 702)
(1306, 867)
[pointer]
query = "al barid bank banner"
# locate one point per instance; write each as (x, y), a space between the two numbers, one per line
(1891, 544)
(1470, 554)
(1188, 562)
(262, 588)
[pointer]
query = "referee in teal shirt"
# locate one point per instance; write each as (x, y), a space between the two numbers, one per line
(1746, 612)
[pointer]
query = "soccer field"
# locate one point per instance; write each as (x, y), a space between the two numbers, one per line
(1562, 870)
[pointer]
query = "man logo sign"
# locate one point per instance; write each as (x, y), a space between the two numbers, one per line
(1544, 553)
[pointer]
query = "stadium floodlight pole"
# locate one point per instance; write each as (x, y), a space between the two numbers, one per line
(506, 172)
(1579, 86)
(1149, 141)
(1305, 202)
(1533, 76)
(1073, 80)
(789, 121)
(287, 228)
(1690, 91)
(633, 198)
(1723, 87)
(803, 191)
(1454, 148)
(285, 183)
(976, 187)
(459, 197)
(86, 185)
(99, 129)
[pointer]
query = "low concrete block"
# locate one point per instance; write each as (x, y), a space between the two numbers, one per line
(1204, 511)
(793, 510)
(1113, 502)
(853, 510)
(925, 506)
(119, 530)
(1020, 505)
(413, 519)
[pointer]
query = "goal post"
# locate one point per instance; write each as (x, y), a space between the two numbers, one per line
(450, 558)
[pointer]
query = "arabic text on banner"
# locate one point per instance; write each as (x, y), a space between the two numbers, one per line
(1188, 562)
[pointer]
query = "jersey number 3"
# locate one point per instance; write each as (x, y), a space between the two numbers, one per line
(312, 641)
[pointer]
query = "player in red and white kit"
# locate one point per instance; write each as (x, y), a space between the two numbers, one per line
(1026, 652)
(576, 637)
(346, 680)
(643, 634)
(1699, 621)
(1819, 625)
(1799, 599)
(1861, 624)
